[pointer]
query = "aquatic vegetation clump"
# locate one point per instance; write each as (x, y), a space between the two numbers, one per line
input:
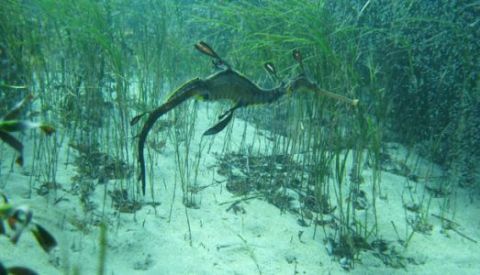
(427, 54)
(20, 219)
(10, 122)
(94, 164)
(292, 187)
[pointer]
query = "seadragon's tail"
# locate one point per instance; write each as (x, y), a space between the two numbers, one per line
(185, 92)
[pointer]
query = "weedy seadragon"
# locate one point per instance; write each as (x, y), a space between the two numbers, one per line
(226, 84)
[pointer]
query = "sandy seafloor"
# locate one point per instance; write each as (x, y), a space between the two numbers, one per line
(263, 240)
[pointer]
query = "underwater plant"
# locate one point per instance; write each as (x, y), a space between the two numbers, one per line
(19, 219)
(16, 270)
(227, 84)
(10, 123)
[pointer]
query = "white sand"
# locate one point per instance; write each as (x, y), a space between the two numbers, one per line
(263, 240)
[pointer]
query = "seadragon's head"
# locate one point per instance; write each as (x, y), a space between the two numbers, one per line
(301, 82)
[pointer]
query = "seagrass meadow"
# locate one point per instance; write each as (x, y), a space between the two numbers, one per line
(239, 137)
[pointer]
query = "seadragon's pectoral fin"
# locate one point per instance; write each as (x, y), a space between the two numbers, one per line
(225, 118)
(220, 125)
(190, 89)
